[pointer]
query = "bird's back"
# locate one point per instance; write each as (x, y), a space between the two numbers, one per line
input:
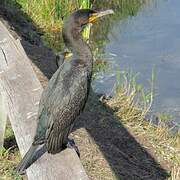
(60, 104)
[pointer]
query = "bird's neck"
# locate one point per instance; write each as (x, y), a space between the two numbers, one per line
(80, 49)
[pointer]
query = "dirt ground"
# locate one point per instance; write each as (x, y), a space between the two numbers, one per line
(108, 149)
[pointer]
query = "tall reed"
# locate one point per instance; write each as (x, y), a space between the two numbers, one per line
(85, 4)
(49, 14)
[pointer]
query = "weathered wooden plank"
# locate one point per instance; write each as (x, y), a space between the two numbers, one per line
(22, 94)
(3, 119)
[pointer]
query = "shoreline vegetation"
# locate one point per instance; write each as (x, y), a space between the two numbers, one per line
(130, 103)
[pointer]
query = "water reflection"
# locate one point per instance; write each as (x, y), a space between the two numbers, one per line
(149, 37)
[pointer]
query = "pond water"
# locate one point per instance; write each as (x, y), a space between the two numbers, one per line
(149, 38)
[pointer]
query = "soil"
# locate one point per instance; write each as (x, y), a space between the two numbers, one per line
(108, 149)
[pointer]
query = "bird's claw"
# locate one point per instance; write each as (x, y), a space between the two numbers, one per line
(71, 144)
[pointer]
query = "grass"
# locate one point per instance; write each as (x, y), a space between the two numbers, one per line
(131, 103)
(164, 117)
(86, 31)
(49, 14)
(8, 161)
(9, 157)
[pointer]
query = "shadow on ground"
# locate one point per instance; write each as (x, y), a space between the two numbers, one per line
(125, 156)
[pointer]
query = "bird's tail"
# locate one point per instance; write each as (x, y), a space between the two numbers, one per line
(34, 152)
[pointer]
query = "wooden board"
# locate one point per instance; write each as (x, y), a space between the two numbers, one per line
(22, 91)
(3, 119)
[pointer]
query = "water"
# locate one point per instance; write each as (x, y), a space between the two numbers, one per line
(150, 38)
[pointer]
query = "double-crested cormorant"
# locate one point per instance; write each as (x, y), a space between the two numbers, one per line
(67, 91)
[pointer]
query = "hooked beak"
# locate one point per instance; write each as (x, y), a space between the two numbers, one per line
(97, 15)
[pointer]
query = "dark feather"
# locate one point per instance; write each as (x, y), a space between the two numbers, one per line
(31, 156)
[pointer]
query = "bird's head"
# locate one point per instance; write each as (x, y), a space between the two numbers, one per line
(75, 23)
(81, 17)
(84, 16)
